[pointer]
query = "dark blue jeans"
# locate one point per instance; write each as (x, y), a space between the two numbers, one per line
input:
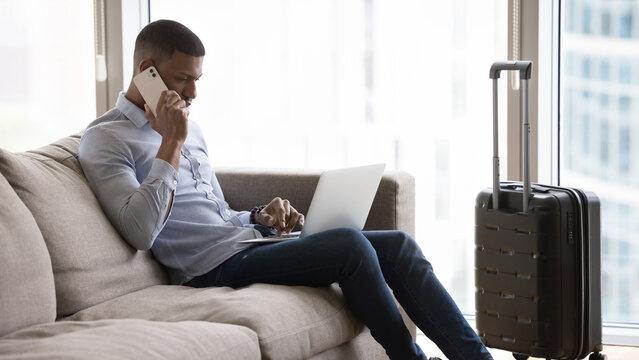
(362, 263)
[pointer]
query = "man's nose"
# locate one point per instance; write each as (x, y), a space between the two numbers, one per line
(190, 91)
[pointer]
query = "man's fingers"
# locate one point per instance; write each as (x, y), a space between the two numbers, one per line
(267, 220)
(293, 219)
(149, 114)
(280, 211)
(170, 98)
(282, 216)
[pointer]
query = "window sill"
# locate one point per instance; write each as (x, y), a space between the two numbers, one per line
(622, 334)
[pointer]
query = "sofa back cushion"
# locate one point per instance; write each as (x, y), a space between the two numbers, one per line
(27, 292)
(91, 262)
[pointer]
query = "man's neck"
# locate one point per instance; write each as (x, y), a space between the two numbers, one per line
(134, 96)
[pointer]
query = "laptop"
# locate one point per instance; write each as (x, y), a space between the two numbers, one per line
(342, 198)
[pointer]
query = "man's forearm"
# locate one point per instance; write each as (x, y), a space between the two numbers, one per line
(169, 151)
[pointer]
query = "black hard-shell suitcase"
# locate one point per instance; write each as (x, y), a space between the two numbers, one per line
(537, 260)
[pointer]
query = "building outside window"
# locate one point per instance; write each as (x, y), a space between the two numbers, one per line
(600, 133)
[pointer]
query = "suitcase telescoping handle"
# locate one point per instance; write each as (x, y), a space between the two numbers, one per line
(525, 70)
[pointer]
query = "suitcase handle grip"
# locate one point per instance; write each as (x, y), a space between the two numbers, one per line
(525, 70)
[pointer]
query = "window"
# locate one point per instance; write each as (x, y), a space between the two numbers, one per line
(603, 145)
(625, 30)
(343, 83)
(587, 20)
(604, 71)
(605, 23)
(625, 76)
(48, 86)
(602, 162)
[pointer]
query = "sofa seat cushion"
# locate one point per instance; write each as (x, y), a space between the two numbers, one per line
(27, 291)
(363, 346)
(91, 262)
(291, 322)
(131, 339)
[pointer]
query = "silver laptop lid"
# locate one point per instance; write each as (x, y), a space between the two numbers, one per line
(343, 198)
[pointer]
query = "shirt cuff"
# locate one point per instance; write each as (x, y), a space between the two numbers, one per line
(241, 218)
(164, 171)
(244, 217)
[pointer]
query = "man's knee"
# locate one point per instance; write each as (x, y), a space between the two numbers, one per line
(350, 242)
(399, 239)
(398, 244)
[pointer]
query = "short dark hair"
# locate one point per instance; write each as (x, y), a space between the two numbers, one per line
(159, 39)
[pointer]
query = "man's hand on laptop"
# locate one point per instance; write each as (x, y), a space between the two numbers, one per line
(280, 215)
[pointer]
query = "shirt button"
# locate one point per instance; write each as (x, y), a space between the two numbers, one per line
(198, 176)
(174, 182)
(187, 152)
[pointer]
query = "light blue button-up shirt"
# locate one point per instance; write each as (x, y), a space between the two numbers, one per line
(117, 153)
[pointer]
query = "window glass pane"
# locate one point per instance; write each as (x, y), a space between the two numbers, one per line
(605, 23)
(625, 29)
(587, 19)
(48, 87)
(604, 71)
(599, 135)
(349, 82)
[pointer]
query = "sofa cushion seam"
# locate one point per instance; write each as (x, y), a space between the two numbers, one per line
(272, 338)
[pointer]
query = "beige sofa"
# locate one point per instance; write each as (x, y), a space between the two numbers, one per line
(71, 288)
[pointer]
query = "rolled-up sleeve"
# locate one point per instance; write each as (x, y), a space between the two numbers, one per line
(137, 210)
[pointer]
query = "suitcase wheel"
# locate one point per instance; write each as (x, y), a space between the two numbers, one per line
(521, 356)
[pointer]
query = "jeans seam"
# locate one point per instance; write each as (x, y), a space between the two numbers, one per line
(218, 275)
(414, 299)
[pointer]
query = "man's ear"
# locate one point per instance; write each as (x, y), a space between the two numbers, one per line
(145, 64)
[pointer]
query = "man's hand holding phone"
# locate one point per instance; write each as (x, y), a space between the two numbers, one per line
(172, 117)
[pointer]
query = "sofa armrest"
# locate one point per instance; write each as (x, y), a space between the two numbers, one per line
(393, 207)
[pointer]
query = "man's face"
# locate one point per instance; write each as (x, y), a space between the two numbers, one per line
(180, 73)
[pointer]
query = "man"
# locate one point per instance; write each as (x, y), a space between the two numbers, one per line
(153, 178)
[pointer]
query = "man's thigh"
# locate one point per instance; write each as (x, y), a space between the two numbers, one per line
(315, 260)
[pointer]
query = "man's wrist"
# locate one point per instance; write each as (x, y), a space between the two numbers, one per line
(171, 143)
(169, 151)
(254, 212)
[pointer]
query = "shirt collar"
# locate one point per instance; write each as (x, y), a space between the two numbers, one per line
(136, 115)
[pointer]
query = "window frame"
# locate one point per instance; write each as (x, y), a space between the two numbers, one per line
(118, 23)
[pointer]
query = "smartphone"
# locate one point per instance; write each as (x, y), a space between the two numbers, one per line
(150, 85)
